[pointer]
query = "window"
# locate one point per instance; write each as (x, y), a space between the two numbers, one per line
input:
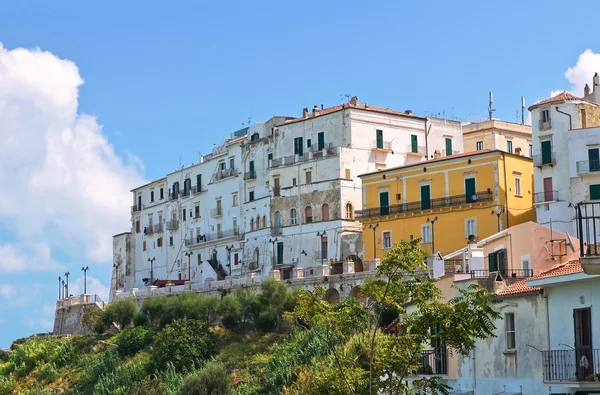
(199, 183)
(525, 259)
(595, 192)
(546, 151)
(379, 138)
(197, 210)
(321, 141)
(479, 145)
(414, 144)
(324, 247)
(234, 200)
(509, 326)
(221, 165)
(530, 150)
(470, 227)
(470, 190)
(545, 119)
(171, 241)
(277, 219)
(308, 214)
(159, 242)
(448, 146)
(594, 159)
(509, 147)
(517, 185)
(199, 259)
(294, 182)
(325, 212)
(137, 226)
(251, 196)
(144, 246)
(308, 177)
(347, 174)
(308, 143)
(293, 217)
(232, 163)
(151, 196)
(349, 211)
(387, 239)
(276, 187)
(258, 222)
(264, 221)
(184, 216)
(236, 259)
(235, 227)
(162, 193)
(298, 148)
(426, 233)
(269, 157)
(251, 224)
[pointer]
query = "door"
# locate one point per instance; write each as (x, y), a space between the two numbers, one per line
(546, 152)
(470, 190)
(582, 323)
(548, 195)
(321, 140)
(413, 143)
(384, 203)
(379, 138)
(280, 252)
(448, 146)
(231, 163)
(139, 207)
(501, 262)
(594, 158)
(425, 197)
(252, 169)
(492, 262)
(298, 148)
(199, 183)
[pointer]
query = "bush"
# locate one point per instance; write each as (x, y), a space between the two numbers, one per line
(6, 368)
(230, 310)
(38, 351)
(131, 341)
(93, 320)
(161, 311)
(275, 298)
(122, 379)
(48, 373)
(148, 386)
(7, 385)
(106, 363)
(120, 312)
(213, 379)
(184, 343)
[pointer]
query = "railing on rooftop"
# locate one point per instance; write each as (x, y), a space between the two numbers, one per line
(411, 207)
(570, 365)
(433, 362)
(506, 273)
(588, 166)
(588, 228)
(546, 196)
(545, 158)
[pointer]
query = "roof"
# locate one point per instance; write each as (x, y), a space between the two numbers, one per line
(149, 183)
(350, 105)
(521, 287)
(561, 98)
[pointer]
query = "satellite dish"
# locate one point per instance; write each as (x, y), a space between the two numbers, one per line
(570, 242)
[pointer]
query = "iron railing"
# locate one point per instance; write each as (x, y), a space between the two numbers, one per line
(410, 207)
(419, 149)
(506, 273)
(250, 175)
(570, 365)
(448, 153)
(546, 196)
(173, 224)
(588, 166)
(174, 195)
(137, 207)
(198, 188)
(548, 158)
(384, 145)
(216, 212)
(433, 362)
(588, 227)
(148, 230)
(158, 228)
(293, 159)
(196, 240)
(222, 174)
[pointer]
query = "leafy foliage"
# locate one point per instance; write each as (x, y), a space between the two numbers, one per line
(213, 379)
(131, 341)
(120, 312)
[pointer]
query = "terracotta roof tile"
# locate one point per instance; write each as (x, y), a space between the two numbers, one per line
(560, 98)
(521, 287)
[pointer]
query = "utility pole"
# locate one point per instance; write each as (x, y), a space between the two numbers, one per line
(85, 269)
(151, 260)
(189, 255)
(374, 227)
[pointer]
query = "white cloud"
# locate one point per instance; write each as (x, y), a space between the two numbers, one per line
(582, 73)
(7, 291)
(62, 185)
(94, 287)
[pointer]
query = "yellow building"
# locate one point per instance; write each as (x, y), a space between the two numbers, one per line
(446, 200)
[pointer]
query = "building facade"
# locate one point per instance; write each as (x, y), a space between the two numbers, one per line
(494, 134)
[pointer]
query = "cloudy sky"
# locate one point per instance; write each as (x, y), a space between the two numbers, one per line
(96, 99)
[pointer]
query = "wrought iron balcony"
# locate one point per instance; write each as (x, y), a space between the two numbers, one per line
(198, 188)
(381, 145)
(417, 150)
(588, 229)
(570, 365)
(196, 240)
(411, 207)
(158, 228)
(546, 196)
(223, 174)
(174, 195)
(148, 230)
(433, 362)
(506, 273)
(250, 175)
(543, 159)
(588, 166)
(173, 224)
(137, 207)
(227, 233)
(216, 212)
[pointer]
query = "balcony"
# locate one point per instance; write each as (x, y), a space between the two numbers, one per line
(544, 125)
(545, 197)
(385, 146)
(413, 207)
(566, 365)
(250, 175)
(173, 224)
(148, 230)
(198, 189)
(137, 207)
(311, 154)
(588, 228)
(418, 150)
(189, 241)
(216, 212)
(543, 159)
(448, 153)
(158, 228)
(433, 362)
(223, 174)
(227, 233)
(588, 166)
(276, 231)
(506, 273)
(174, 195)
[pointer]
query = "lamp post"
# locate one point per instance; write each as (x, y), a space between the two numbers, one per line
(151, 260)
(59, 288)
(63, 289)
(273, 241)
(498, 213)
(321, 235)
(432, 222)
(374, 227)
(189, 256)
(85, 269)
(67, 276)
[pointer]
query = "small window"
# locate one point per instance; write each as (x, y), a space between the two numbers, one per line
(595, 192)
(518, 185)
(251, 196)
(277, 219)
(137, 226)
(509, 147)
(251, 224)
(308, 177)
(479, 145)
(308, 143)
(264, 221)
(162, 193)
(171, 241)
(387, 239)
(426, 233)
(530, 150)
(234, 200)
(294, 182)
(509, 325)
(144, 246)
(199, 259)
(545, 116)
(294, 219)
(348, 174)
(470, 227)
(159, 242)
(349, 211)
(308, 214)
(197, 210)
(325, 212)
(151, 196)
(184, 216)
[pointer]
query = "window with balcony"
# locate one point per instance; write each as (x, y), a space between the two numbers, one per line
(349, 211)
(321, 141)
(470, 190)
(509, 327)
(232, 163)
(414, 143)
(325, 212)
(509, 147)
(386, 239)
(379, 138)
(298, 147)
(293, 217)
(479, 145)
(426, 233)
(497, 262)
(448, 146)
(308, 214)
(594, 159)
(269, 157)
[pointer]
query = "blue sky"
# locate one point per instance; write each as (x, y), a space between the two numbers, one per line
(166, 80)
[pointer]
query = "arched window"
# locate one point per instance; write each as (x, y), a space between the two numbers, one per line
(293, 216)
(258, 222)
(308, 214)
(251, 224)
(325, 212)
(264, 222)
(256, 256)
(277, 219)
(349, 211)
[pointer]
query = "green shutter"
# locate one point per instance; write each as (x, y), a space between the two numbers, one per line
(251, 165)
(595, 192)
(492, 264)
(308, 143)
(594, 158)
(300, 146)
(379, 138)
(384, 203)
(470, 190)
(270, 157)
(280, 252)
(321, 140)
(448, 146)
(546, 152)
(425, 197)
(413, 143)
(501, 262)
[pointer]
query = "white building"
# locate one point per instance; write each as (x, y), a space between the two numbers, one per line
(277, 195)
(494, 134)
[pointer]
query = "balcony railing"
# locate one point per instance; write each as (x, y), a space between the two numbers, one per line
(588, 166)
(196, 240)
(158, 228)
(148, 230)
(315, 155)
(198, 188)
(222, 174)
(276, 230)
(417, 150)
(506, 273)
(588, 229)
(544, 125)
(137, 207)
(381, 145)
(227, 233)
(216, 212)
(174, 195)
(173, 224)
(546, 196)
(250, 175)
(448, 153)
(570, 365)
(547, 158)
(433, 362)
(411, 207)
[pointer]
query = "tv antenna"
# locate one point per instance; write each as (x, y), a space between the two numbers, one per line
(346, 96)
(490, 109)
(522, 110)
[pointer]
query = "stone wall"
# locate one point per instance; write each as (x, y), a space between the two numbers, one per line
(69, 320)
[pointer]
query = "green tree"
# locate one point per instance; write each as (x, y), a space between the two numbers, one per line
(360, 353)
(230, 310)
(120, 312)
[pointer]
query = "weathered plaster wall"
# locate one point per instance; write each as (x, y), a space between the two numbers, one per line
(69, 320)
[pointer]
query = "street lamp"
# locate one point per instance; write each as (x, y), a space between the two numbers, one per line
(151, 260)
(85, 269)
(67, 276)
(63, 289)
(498, 213)
(432, 222)
(321, 235)
(59, 288)
(374, 227)
(273, 241)
(189, 256)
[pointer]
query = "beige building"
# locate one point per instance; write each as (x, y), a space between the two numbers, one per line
(498, 135)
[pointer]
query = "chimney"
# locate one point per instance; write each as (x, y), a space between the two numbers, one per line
(586, 90)
(596, 81)
(321, 106)
(315, 110)
(305, 112)
(354, 100)
(408, 112)
(518, 151)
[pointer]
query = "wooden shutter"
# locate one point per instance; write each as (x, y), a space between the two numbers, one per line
(413, 143)
(492, 263)
(321, 140)
(379, 138)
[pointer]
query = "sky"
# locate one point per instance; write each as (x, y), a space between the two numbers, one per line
(99, 97)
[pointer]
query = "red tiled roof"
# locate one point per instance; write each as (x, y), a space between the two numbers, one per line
(521, 287)
(560, 98)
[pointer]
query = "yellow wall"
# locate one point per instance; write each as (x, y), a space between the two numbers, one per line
(449, 230)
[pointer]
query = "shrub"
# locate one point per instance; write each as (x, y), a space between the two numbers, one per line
(106, 363)
(275, 298)
(36, 352)
(7, 385)
(48, 373)
(230, 310)
(184, 343)
(93, 320)
(161, 311)
(131, 341)
(148, 386)
(120, 312)
(213, 379)
(6, 368)
(121, 380)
